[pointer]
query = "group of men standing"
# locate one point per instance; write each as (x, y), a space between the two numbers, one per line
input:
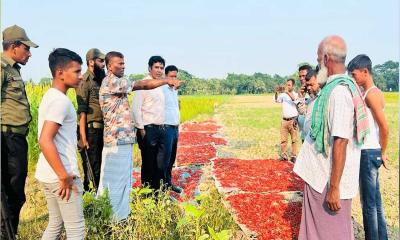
(106, 133)
(107, 127)
(344, 135)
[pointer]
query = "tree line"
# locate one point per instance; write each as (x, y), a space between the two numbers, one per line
(386, 77)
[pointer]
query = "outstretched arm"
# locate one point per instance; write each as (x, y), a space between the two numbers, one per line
(154, 83)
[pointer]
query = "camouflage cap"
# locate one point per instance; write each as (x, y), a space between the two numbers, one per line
(94, 53)
(17, 33)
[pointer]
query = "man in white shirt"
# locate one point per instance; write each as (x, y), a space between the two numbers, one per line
(172, 120)
(289, 119)
(149, 118)
(330, 173)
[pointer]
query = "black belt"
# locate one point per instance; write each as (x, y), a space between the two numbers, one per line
(171, 126)
(289, 119)
(161, 126)
(95, 125)
(23, 130)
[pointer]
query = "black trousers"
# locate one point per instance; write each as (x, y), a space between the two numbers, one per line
(14, 169)
(171, 146)
(152, 149)
(95, 139)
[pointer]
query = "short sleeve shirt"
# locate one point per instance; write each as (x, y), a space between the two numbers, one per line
(289, 109)
(56, 107)
(313, 167)
(118, 121)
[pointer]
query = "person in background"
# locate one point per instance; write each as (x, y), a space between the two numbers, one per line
(303, 70)
(305, 107)
(289, 119)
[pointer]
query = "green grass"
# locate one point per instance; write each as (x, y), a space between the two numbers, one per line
(202, 107)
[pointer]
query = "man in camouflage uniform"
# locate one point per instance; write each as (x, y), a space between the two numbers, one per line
(15, 118)
(90, 116)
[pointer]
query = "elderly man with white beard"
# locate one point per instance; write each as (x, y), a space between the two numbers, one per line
(329, 159)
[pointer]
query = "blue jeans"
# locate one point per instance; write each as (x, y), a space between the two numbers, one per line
(171, 146)
(372, 209)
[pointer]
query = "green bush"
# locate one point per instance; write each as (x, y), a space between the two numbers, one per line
(156, 215)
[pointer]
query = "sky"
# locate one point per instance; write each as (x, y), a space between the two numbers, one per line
(207, 38)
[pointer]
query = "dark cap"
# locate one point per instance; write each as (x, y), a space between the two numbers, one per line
(94, 53)
(17, 33)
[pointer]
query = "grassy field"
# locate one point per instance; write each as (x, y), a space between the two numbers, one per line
(149, 219)
(251, 125)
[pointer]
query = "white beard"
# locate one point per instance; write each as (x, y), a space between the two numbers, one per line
(322, 75)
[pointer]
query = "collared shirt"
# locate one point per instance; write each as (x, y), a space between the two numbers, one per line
(15, 109)
(87, 97)
(113, 99)
(313, 167)
(289, 109)
(148, 107)
(172, 116)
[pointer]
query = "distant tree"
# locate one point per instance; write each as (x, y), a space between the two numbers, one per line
(257, 86)
(380, 81)
(386, 76)
(184, 75)
(389, 71)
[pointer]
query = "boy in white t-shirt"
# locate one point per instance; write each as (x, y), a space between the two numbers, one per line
(57, 167)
